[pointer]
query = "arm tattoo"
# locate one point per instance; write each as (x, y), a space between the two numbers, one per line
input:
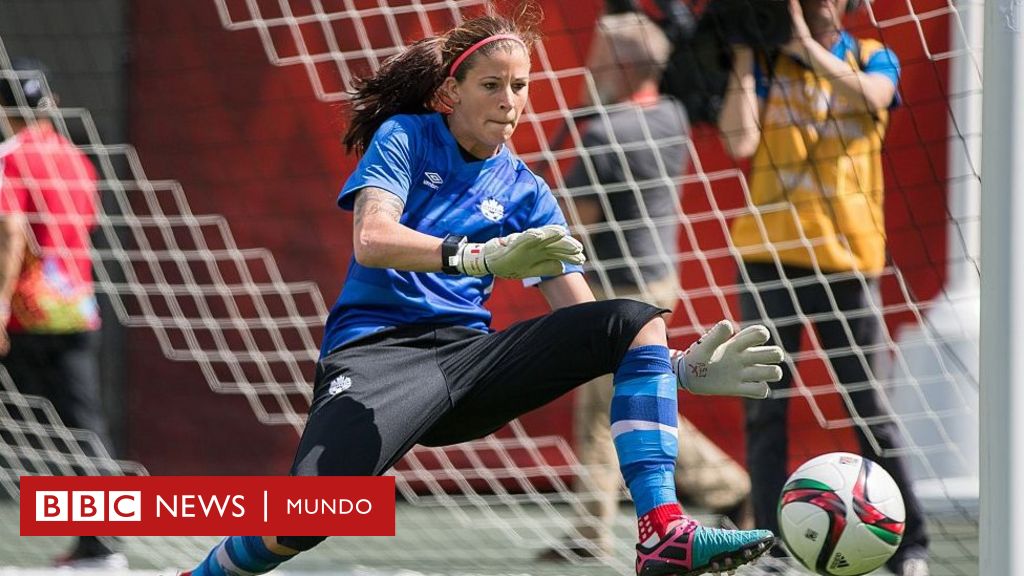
(372, 201)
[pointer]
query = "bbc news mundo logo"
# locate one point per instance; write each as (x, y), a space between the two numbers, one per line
(207, 505)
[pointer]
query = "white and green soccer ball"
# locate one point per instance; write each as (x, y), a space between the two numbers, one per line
(841, 515)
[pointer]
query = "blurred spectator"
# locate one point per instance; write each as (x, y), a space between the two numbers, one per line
(635, 188)
(49, 319)
(814, 118)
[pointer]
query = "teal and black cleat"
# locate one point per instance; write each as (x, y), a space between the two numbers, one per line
(690, 549)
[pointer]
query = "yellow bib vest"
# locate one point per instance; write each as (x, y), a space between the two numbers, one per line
(816, 184)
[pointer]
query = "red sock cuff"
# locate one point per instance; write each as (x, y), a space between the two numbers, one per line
(658, 520)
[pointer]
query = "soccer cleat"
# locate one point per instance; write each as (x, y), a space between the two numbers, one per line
(690, 549)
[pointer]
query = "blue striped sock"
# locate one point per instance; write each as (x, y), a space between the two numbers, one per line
(239, 555)
(644, 426)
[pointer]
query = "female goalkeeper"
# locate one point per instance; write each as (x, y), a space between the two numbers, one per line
(442, 208)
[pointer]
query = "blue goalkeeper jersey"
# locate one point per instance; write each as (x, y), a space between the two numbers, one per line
(416, 158)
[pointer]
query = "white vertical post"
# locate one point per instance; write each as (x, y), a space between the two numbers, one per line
(1002, 291)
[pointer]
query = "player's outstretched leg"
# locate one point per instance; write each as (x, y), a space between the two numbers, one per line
(644, 420)
(240, 555)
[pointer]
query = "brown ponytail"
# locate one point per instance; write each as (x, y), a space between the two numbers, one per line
(409, 82)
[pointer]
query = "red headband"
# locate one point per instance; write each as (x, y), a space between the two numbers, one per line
(478, 45)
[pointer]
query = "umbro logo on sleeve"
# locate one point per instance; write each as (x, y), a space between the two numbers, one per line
(432, 179)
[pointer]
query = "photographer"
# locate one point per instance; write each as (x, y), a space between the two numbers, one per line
(814, 116)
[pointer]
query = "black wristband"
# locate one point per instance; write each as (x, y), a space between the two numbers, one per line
(449, 252)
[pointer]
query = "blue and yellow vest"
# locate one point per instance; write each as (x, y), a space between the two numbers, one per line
(816, 183)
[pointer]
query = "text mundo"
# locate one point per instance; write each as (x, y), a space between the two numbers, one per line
(333, 506)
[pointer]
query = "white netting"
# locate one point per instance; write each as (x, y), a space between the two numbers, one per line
(926, 359)
(290, 34)
(479, 506)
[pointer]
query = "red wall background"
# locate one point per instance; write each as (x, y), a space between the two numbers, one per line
(249, 140)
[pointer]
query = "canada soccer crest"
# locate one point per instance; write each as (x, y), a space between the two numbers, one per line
(492, 210)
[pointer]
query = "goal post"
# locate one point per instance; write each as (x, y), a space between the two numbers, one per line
(1002, 290)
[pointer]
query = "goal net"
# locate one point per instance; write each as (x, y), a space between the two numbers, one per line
(222, 268)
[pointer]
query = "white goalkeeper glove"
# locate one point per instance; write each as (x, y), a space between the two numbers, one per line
(726, 365)
(532, 252)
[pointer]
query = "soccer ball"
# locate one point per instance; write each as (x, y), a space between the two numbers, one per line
(841, 515)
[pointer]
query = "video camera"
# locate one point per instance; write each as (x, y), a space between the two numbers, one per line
(697, 73)
(760, 24)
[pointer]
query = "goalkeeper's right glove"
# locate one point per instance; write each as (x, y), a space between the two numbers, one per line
(722, 364)
(532, 252)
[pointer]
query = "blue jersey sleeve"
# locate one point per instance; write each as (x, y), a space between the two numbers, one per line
(884, 61)
(387, 163)
(546, 211)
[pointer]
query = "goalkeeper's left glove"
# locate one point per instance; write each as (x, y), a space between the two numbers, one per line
(532, 252)
(726, 365)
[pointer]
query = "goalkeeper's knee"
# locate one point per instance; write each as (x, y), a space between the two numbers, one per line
(300, 543)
